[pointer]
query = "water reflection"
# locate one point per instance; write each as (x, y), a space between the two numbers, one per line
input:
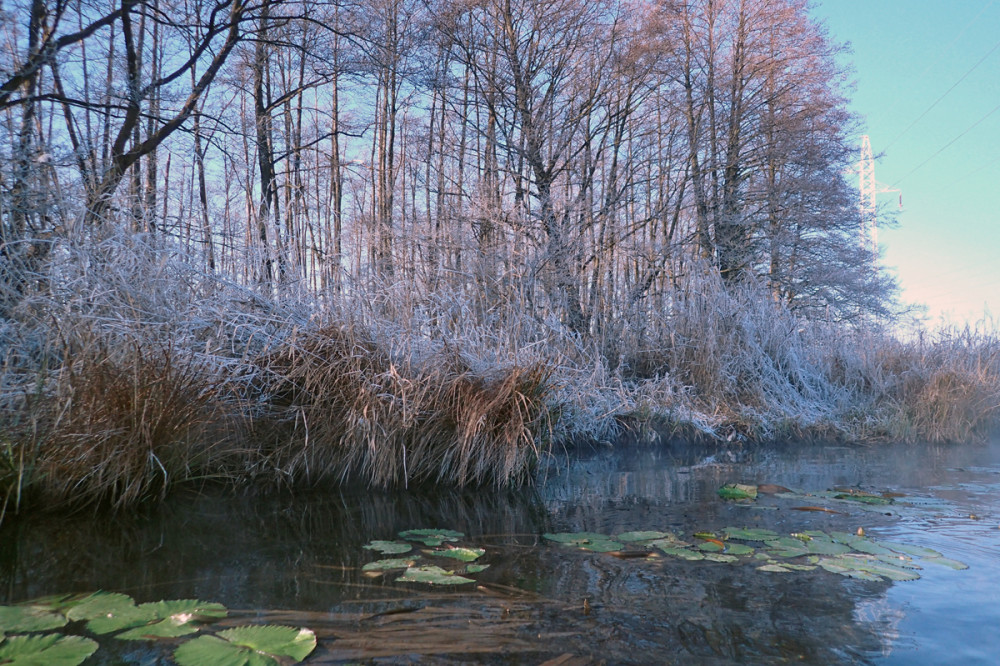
(296, 560)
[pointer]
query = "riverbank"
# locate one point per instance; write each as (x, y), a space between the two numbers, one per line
(122, 384)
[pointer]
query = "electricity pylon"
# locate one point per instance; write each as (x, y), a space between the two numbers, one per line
(868, 190)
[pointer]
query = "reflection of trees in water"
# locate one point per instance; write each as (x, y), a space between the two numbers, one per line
(267, 552)
(304, 554)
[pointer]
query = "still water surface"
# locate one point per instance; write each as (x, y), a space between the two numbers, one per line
(296, 560)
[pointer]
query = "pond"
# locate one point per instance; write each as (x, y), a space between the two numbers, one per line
(297, 560)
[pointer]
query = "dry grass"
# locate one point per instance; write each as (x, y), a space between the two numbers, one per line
(121, 426)
(355, 411)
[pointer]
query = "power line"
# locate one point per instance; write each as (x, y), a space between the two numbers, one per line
(943, 53)
(945, 94)
(947, 145)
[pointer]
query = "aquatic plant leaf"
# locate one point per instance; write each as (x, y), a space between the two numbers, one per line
(646, 535)
(774, 568)
(860, 544)
(260, 645)
(432, 575)
(745, 534)
(738, 549)
(946, 562)
(682, 553)
(870, 565)
(431, 537)
(177, 617)
(713, 546)
(476, 568)
(29, 618)
(737, 491)
(102, 606)
(599, 543)
(721, 557)
(463, 554)
(864, 498)
(46, 650)
(915, 551)
(389, 547)
(384, 565)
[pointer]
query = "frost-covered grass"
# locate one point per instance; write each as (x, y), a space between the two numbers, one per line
(131, 372)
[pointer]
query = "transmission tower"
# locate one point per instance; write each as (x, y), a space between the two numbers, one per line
(868, 190)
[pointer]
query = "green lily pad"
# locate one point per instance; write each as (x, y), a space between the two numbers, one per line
(433, 576)
(682, 553)
(178, 617)
(737, 491)
(872, 566)
(476, 568)
(711, 547)
(262, 645)
(647, 535)
(946, 562)
(721, 557)
(46, 650)
(430, 537)
(389, 547)
(30, 617)
(915, 551)
(774, 568)
(109, 611)
(385, 565)
(744, 534)
(738, 549)
(599, 543)
(463, 554)
(864, 498)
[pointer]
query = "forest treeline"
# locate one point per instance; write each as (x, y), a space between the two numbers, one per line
(422, 240)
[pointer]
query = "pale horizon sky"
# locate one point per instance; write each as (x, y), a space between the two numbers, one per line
(927, 79)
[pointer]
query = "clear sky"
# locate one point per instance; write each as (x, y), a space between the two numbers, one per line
(927, 75)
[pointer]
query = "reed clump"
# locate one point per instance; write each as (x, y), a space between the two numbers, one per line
(121, 426)
(348, 407)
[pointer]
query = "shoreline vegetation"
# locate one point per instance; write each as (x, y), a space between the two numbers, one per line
(405, 242)
(145, 375)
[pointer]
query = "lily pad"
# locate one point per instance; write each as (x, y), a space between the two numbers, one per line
(682, 553)
(774, 568)
(721, 557)
(915, 551)
(600, 543)
(737, 491)
(46, 650)
(262, 645)
(713, 546)
(430, 537)
(463, 554)
(646, 535)
(109, 611)
(745, 534)
(946, 562)
(385, 565)
(864, 498)
(29, 617)
(432, 575)
(738, 549)
(178, 617)
(476, 568)
(389, 547)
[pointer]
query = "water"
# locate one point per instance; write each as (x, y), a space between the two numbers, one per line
(296, 560)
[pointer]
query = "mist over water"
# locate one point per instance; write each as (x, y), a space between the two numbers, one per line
(298, 559)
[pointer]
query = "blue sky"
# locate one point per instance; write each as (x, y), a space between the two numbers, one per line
(927, 74)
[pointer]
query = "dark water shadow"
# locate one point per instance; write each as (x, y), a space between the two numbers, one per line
(297, 560)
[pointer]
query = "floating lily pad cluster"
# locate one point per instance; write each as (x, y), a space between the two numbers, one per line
(838, 552)
(117, 616)
(414, 565)
(748, 492)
